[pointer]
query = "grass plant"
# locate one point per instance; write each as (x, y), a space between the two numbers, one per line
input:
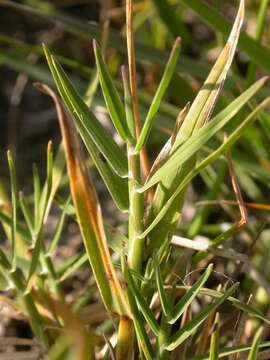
(146, 311)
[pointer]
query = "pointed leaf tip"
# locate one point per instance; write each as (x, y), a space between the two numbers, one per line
(177, 42)
(94, 44)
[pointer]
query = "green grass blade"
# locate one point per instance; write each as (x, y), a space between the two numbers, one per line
(160, 283)
(166, 78)
(180, 336)
(14, 197)
(147, 313)
(82, 259)
(255, 345)
(194, 143)
(46, 198)
(186, 300)
(112, 99)
(214, 343)
(83, 116)
(27, 214)
(128, 107)
(57, 174)
(36, 195)
(59, 228)
(65, 264)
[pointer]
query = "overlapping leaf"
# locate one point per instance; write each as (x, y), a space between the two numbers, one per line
(214, 155)
(113, 102)
(85, 119)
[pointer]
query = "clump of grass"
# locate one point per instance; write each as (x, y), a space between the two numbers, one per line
(150, 312)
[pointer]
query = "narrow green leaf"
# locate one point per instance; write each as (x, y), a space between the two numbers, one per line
(65, 264)
(14, 197)
(112, 99)
(83, 116)
(255, 345)
(36, 195)
(49, 180)
(162, 296)
(186, 300)
(59, 228)
(27, 214)
(180, 336)
(147, 313)
(166, 78)
(214, 343)
(128, 107)
(82, 259)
